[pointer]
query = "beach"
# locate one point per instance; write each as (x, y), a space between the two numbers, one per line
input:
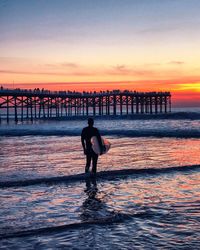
(153, 203)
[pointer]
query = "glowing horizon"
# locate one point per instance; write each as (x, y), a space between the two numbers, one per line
(97, 45)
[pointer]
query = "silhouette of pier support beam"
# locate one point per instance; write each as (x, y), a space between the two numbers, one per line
(160, 103)
(147, 105)
(31, 107)
(87, 106)
(132, 105)
(156, 105)
(94, 106)
(127, 106)
(106, 104)
(22, 109)
(137, 106)
(15, 101)
(27, 111)
(108, 101)
(121, 105)
(114, 105)
(150, 104)
(35, 107)
(7, 102)
(100, 105)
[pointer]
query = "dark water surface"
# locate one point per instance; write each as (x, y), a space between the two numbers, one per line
(151, 209)
(144, 212)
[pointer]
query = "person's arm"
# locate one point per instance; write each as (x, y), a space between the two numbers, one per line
(99, 140)
(83, 141)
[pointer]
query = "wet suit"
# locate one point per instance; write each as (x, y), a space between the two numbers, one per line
(86, 135)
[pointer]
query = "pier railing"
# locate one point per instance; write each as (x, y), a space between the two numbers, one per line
(20, 104)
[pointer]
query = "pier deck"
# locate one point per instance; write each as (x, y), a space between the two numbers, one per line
(21, 104)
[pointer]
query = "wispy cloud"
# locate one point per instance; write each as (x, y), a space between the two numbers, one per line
(65, 65)
(172, 62)
(176, 62)
(71, 65)
(75, 71)
(126, 70)
(18, 72)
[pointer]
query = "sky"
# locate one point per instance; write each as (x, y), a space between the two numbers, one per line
(142, 45)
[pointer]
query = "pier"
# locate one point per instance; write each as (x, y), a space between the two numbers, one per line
(22, 104)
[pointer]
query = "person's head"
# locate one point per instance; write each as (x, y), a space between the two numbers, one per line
(90, 122)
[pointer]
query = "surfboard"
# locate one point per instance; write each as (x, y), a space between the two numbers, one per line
(96, 147)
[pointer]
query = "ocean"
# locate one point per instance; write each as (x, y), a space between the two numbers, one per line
(146, 194)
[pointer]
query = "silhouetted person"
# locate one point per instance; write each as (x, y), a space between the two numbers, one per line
(86, 135)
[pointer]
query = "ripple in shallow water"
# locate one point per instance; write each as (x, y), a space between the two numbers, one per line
(150, 211)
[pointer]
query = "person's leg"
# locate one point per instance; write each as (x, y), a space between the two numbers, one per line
(88, 184)
(94, 182)
(94, 163)
(88, 161)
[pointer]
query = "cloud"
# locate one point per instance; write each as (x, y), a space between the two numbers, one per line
(120, 68)
(66, 65)
(70, 65)
(11, 59)
(125, 70)
(176, 62)
(73, 69)
(78, 73)
(173, 62)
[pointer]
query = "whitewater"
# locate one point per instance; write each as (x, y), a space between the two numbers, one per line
(147, 186)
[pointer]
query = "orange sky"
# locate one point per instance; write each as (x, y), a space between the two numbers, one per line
(183, 93)
(99, 45)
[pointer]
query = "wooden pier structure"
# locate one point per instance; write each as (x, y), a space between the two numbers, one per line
(22, 104)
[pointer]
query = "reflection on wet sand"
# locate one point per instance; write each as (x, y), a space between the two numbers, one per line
(95, 208)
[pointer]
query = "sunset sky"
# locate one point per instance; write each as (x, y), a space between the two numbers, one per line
(144, 45)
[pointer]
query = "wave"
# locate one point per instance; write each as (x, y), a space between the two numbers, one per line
(161, 130)
(147, 116)
(173, 115)
(178, 133)
(114, 217)
(111, 218)
(179, 115)
(102, 175)
(193, 115)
